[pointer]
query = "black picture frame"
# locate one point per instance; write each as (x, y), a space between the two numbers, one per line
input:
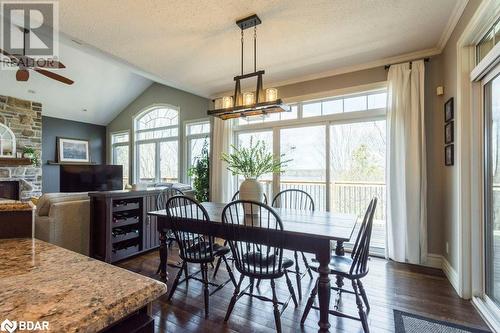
(448, 110)
(449, 155)
(449, 132)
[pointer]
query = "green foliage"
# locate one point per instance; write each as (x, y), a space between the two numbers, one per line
(254, 161)
(199, 172)
(363, 165)
(34, 155)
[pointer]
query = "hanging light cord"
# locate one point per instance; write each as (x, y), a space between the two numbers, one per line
(255, 48)
(242, 51)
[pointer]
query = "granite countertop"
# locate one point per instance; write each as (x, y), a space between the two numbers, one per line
(74, 293)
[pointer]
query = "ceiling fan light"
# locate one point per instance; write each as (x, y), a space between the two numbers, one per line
(22, 75)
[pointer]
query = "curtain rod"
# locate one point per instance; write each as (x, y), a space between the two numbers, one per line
(397, 63)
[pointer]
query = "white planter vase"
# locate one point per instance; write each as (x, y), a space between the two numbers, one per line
(252, 190)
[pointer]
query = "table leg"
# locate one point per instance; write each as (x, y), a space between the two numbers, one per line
(163, 255)
(324, 291)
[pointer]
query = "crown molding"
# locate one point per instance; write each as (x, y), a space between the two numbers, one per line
(452, 23)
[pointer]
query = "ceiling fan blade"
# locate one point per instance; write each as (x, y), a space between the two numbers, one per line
(12, 58)
(54, 76)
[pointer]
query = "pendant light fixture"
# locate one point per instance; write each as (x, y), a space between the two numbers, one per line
(252, 103)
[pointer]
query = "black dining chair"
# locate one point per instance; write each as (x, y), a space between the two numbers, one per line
(195, 248)
(252, 258)
(161, 203)
(236, 196)
(299, 200)
(353, 268)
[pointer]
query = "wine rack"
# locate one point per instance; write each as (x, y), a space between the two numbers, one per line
(120, 226)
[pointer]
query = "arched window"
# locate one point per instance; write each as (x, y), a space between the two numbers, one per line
(157, 145)
(7, 142)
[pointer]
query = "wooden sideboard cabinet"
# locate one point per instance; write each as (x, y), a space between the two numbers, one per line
(119, 224)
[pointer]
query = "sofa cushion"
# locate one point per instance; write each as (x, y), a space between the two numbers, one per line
(46, 200)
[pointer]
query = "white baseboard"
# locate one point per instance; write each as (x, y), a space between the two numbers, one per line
(438, 261)
(451, 274)
(434, 261)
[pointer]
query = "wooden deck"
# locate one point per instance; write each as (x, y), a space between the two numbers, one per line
(389, 285)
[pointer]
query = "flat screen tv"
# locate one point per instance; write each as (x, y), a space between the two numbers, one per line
(87, 178)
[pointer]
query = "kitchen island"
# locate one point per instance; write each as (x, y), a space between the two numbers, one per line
(69, 292)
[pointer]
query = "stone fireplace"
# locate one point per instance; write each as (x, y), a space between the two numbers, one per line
(24, 118)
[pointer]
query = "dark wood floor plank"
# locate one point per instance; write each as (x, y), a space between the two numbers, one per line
(389, 285)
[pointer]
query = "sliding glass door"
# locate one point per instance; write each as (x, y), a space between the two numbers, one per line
(492, 182)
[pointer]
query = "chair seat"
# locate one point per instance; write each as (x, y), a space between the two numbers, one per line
(201, 251)
(265, 263)
(339, 265)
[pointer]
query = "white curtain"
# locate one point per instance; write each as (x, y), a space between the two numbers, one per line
(406, 239)
(220, 179)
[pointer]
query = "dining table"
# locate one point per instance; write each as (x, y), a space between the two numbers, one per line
(317, 232)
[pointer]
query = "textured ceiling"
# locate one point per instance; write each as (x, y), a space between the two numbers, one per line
(194, 45)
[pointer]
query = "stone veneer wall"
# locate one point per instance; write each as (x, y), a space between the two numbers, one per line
(24, 118)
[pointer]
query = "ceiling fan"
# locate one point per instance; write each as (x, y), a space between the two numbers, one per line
(26, 63)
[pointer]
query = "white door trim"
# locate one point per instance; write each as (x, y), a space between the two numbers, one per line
(469, 151)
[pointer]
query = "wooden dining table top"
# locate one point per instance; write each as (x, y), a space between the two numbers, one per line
(324, 225)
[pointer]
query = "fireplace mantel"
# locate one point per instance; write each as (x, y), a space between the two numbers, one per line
(7, 161)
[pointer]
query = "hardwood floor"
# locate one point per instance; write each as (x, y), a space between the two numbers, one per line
(389, 286)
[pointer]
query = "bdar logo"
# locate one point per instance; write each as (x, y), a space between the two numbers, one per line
(9, 326)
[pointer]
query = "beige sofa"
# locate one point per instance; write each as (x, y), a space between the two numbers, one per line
(63, 219)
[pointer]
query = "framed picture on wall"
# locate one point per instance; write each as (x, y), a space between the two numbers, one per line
(449, 155)
(448, 110)
(73, 150)
(449, 134)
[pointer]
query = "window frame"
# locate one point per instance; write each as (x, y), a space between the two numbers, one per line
(120, 144)
(187, 141)
(353, 117)
(157, 142)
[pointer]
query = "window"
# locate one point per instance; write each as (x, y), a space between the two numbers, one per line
(490, 39)
(338, 150)
(157, 145)
(349, 103)
(197, 135)
(120, 153)
(7, 142)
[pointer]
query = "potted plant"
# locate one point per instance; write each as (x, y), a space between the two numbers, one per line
(252, 162)
(32, 154)
(199, 173)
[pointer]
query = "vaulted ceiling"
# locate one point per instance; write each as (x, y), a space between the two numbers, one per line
(194, 45)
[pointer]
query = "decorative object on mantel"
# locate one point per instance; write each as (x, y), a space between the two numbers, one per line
(7, 142)
(252, 163)
(258, 102)
(31, 154)
(73, 151)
